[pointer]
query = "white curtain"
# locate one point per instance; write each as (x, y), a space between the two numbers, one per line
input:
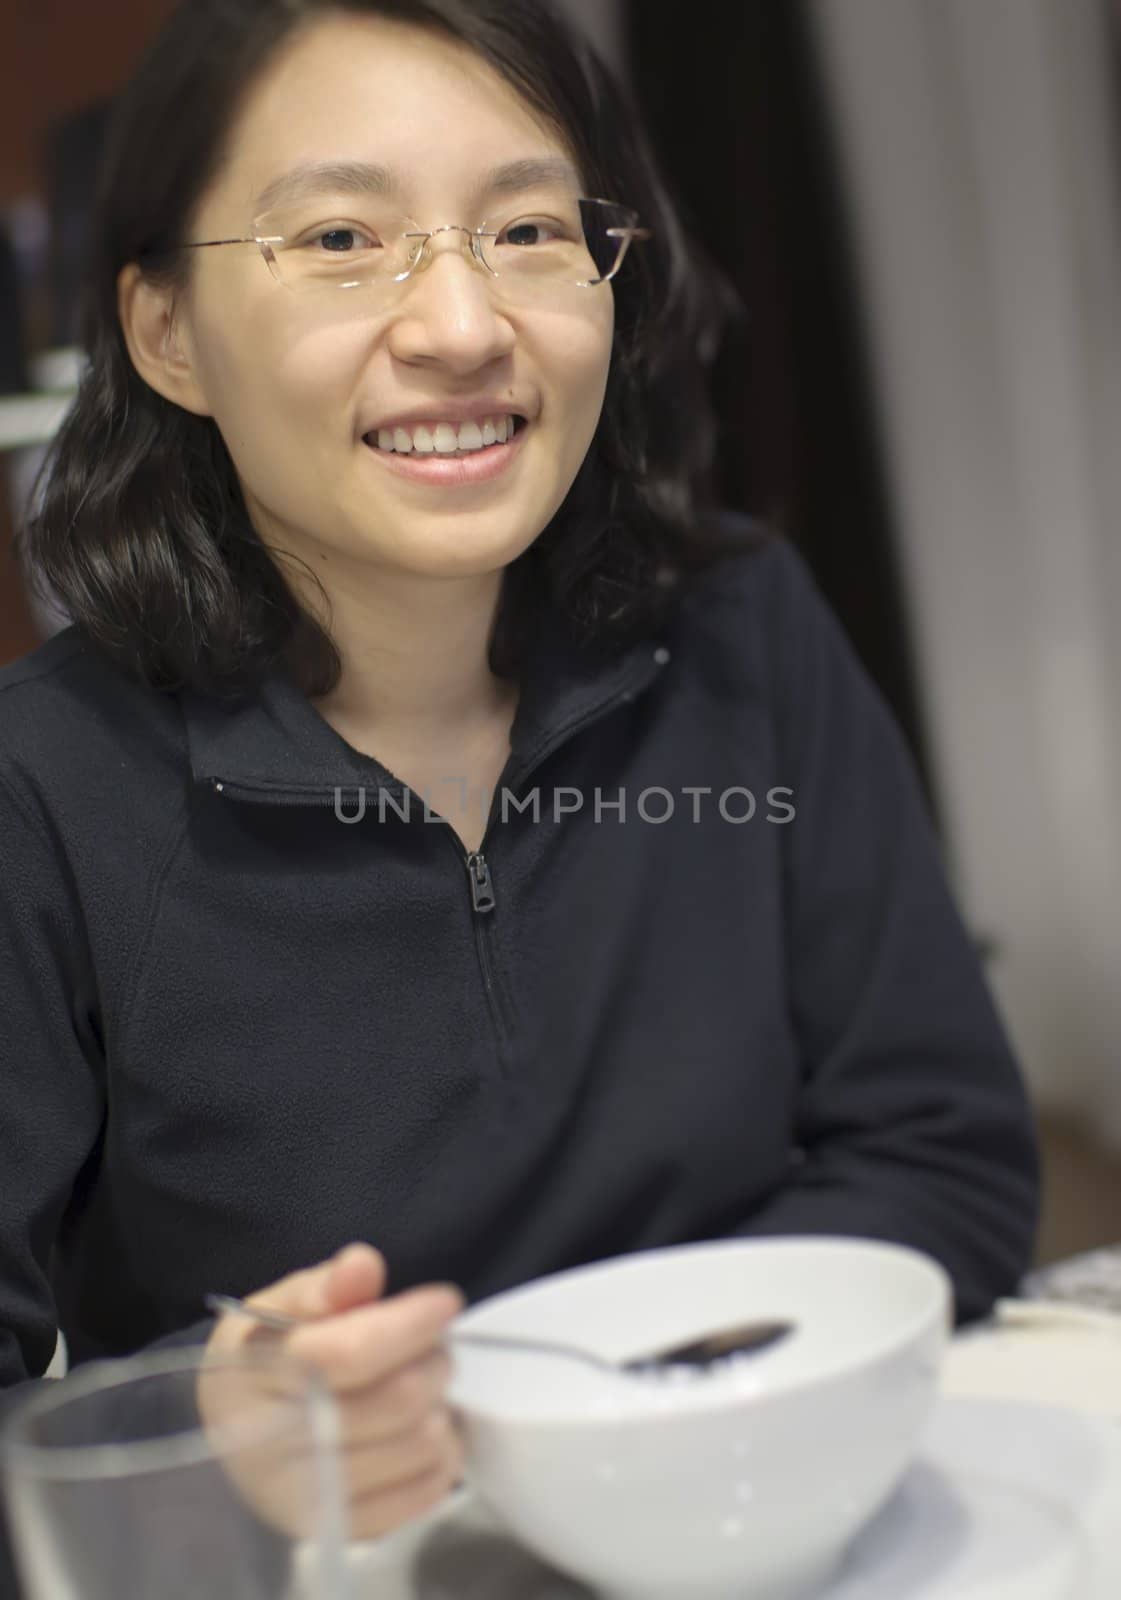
(979, 144)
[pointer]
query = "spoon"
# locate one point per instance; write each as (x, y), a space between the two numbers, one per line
(741, 1338)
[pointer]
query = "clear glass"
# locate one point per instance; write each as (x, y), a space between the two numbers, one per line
(178, 1476)
(533, 250)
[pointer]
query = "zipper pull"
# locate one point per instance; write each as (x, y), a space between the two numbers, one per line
(482, 891)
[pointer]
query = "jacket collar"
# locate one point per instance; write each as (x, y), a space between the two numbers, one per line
(279, 743)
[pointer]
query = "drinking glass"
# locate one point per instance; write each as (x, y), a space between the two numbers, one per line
(181, 1475)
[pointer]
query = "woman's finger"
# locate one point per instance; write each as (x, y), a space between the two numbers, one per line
(355, 1276)
(382, 1511)
(384, 1410)
(365, 1345)
(431, 1445)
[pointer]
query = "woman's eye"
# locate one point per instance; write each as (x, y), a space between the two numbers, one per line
(343, 241)
(530, 232)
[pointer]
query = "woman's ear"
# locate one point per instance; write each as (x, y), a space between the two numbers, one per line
(159, 351)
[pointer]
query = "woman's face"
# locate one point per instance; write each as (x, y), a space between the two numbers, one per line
(298, 383)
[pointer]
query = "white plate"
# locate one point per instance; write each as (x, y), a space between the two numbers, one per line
(1004, 1502)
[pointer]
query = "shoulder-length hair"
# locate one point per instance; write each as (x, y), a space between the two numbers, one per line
(138, 524)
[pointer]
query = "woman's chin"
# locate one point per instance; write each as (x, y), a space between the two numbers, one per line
(435, 558)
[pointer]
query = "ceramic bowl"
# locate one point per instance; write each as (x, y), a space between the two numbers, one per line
(746, 1481)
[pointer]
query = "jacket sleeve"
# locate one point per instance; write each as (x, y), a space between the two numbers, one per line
(51, 1092)
(52, 1082)
(52, 1104)
(913, 1123)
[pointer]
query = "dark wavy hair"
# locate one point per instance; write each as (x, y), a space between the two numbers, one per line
(139, 526)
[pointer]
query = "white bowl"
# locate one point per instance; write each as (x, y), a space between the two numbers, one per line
(742, 1483)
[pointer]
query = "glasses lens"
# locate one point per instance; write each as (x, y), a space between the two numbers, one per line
(311, 248)
(563, 242)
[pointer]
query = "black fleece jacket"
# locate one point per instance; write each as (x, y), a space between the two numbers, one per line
(703, 979)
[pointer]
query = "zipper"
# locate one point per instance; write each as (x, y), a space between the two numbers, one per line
(482, 903)
(482, 890)
(480, 883)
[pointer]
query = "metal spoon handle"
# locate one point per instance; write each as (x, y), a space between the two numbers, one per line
(742, 1339)
(280, 1320)
(283, 1323)
(501, 1341)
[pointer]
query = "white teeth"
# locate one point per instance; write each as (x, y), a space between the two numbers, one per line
(445, 438)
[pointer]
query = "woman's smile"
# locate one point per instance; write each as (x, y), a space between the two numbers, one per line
(421, 454)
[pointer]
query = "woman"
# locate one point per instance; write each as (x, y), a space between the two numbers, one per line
(387, 480)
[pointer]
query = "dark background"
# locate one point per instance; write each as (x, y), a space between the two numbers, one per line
(741, 132)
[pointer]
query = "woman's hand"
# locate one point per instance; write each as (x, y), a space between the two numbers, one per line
(388, 1372)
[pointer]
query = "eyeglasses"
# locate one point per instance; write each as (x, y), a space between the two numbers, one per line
(568, 243)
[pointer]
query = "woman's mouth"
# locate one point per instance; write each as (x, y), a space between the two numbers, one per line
(450, 453)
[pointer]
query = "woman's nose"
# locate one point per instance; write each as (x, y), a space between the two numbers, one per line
(449, 313)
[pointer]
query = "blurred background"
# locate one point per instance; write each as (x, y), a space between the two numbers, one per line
(920, 204)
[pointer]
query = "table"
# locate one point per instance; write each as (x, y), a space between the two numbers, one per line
(1059, 1344)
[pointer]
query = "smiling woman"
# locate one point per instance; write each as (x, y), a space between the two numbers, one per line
(390, 475)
